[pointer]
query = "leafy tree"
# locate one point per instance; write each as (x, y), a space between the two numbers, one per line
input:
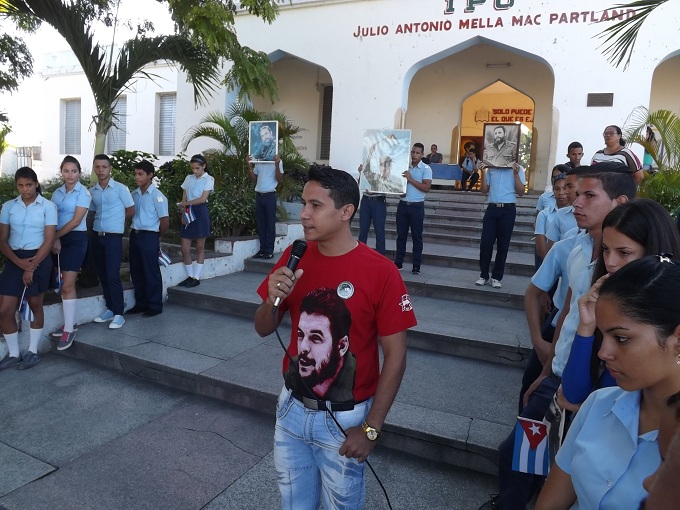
(204, 36)
(619, 38)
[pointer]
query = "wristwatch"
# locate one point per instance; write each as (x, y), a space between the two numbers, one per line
(371, 433)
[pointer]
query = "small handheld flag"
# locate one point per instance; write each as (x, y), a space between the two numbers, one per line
(188, 215)
(26, 312)
(163, 258)
(531, 453)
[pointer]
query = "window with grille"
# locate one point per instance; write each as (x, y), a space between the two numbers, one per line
(166, 124)
(326, 118)
(115, 139)
(70, 127)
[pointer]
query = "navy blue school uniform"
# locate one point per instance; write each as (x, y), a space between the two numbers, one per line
(195, 187)
(109, 205)
(74, 243)
(26, 235)
(150, 207)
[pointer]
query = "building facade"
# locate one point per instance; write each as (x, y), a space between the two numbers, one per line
(442, 69)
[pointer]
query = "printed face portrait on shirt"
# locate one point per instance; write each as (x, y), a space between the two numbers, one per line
(323, 341)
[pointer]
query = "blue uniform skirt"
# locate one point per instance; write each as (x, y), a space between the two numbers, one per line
(200, 227)
(11, 279)
(73, 251)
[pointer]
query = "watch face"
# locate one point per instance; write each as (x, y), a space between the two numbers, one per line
(372, 434)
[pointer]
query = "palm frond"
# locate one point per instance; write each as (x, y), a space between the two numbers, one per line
(619, 38)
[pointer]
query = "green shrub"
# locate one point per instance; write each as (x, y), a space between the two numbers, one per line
(8, 188)
(123, 163)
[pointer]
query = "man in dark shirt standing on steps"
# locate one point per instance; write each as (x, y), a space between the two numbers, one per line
(503, 185)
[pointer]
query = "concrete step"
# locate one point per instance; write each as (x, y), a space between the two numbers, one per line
(450, 313)
(462, 239)
(476, 210)
(474, 227)
(448, 409)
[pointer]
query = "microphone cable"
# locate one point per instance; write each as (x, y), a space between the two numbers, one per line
(310, 392)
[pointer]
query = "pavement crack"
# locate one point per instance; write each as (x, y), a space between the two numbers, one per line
(194, 478)
(225, 439)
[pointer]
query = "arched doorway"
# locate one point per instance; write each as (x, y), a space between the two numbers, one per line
(664, 95)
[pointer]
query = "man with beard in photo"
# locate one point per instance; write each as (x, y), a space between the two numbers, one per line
(324, 361)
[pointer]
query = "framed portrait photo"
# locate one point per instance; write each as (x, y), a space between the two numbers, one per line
(501, 145)
(263, 140)
(386, 156)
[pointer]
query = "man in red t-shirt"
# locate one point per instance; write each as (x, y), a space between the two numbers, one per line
(310, 451)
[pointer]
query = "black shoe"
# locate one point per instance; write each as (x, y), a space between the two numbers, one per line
(193, 282)
(268, 256)
(152, 313)
(415, 270)
(9, 361)
(259, 255)
(184, 283)
(399, 266)
(492, 504)
(31, 359)
(136, 309)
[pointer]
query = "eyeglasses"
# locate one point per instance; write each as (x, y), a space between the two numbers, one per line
(609, 133)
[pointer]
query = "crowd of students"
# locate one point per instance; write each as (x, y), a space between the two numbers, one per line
(45, 244)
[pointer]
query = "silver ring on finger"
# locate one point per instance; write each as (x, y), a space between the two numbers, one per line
(278, 285)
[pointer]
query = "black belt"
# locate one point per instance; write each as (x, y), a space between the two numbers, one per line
(323, 405)
(265, 192)
(502, 204)
(102, 234)
(413, 203)
(137, 231)
(375, 197)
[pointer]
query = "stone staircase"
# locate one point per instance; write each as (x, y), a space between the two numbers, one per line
(459, 396)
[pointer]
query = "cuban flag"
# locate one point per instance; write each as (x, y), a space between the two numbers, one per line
(59, 277)
(188, 215)
(531, 454)
(163, 258)
(25, 310)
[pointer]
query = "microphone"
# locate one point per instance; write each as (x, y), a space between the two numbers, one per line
(296, 253)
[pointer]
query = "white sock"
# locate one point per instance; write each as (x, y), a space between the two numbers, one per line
(197, 270)
(69, 314)
(34, 340)
(190, 270)
(12, 340)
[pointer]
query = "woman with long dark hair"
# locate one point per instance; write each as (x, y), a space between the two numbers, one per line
(27, 227)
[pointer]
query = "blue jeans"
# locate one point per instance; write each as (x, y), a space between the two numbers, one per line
(373, 209)
(497, 226)
(306, 444)
(265, 216)
(410, 215)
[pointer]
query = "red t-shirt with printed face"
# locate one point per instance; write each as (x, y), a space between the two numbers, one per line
(373, 291)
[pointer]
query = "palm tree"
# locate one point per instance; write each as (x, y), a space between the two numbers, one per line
(109, 79)
(664, 185)
(619, 38)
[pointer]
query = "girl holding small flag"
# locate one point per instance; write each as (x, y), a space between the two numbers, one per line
(27, 228)
(195, 218)
(70, 246)
(611, 446)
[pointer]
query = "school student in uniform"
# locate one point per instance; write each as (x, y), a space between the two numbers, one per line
(112, 204)
(70, 244)
(27, 226)
(148, 225)
(197, 187)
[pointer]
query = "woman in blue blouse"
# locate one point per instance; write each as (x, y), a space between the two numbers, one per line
(611, 446)
(196, 188)
(70, 246)
(27, 227)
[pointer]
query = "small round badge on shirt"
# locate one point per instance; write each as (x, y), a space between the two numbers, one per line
(345, 290)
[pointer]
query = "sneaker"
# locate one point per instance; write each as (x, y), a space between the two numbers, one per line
(66, 340)
(481, 282)
(9, 361)
(195, 282)
(268, 256)
(105, 317)
(117, 322)
(492, 504)
(136, 309)
(258, 255)
(184, 283)
(399, 266)
(31, 359)
(60, 331)
(496, 284)
(415, 270)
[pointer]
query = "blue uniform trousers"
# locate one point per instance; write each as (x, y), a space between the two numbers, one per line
(145, 270)
(265, 216)
(107, 251)
(373, 208)
(496, 227)
(410, 215)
